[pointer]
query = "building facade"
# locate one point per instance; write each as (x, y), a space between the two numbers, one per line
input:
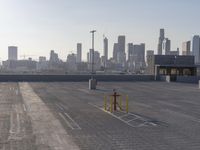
(196, 48)
(105, 51)
(79, 53)
(71, 62)
(121, 55)
(160, 41)
(149, 60)
(186, 48)
(139, 56)
(172, 65)
(115, 51)
(166, 46)
(53, 57)
(12, 53)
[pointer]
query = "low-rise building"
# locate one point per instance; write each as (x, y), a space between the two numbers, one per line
(172, 65)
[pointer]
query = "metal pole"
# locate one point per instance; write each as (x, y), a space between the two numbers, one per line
(93, 31)
(111, 104)
(92, 52)
(105, 102)
(126, 103)
(120, 102)
(115, 101)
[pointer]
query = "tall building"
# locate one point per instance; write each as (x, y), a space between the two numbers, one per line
(42, 64)
(166, 46)
(130, 56)
(186, 48)
(96, 61)
(121, 43)
(12, 53)
(79, 53)
(196, 48)
(71, 62)
(53, 57)
(121, 55)
(160, 41)
(88, 57)
(130, 50)
(105, 50)
(115, 51)
(139, 53)
(150, 63)
(137, 57)
(42, 59)
(96, 57)
(91, 53)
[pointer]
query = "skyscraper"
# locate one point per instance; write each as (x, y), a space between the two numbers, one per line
(79, 53)
(96, 61)
(42, 59)
(166, 46)
(12, 53)
(160, 41)
(130, 51)
(91, 54)
(136, 57)
(196, 48)
(150, 63)
(121, 42)
(139, 52)
(53, 57)
(105, 50)
(121, 55)
(186, 48)
(130, 56)
(115, 51)
(71, 62)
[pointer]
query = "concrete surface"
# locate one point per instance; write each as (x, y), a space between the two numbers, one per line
(67, 115)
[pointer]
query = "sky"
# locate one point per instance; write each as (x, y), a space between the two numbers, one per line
(38, 26)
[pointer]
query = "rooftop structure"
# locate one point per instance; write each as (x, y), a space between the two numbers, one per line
(172, 65)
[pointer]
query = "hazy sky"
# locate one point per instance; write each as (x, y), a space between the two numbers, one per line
(38, 26)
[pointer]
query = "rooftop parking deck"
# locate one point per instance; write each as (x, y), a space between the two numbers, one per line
(66, 115)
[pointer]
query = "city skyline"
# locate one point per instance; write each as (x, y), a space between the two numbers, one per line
(37, 27)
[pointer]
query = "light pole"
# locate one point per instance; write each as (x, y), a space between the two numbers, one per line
(93, 31)
(92, 81)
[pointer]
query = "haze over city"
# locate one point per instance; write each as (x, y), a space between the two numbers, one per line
(99, 75)
(37, 27)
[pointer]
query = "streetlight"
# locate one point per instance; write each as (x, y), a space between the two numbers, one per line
(92, 81)
(93, 31)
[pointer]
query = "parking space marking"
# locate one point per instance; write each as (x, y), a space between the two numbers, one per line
(76, 124)
(59, 107)
(69, 121)
(128, 122)
(132, 120)
(24, 107)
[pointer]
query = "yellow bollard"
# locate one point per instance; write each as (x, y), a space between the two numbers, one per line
(111, 104)
(105, 102)
(120, 102)
(127, 103)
